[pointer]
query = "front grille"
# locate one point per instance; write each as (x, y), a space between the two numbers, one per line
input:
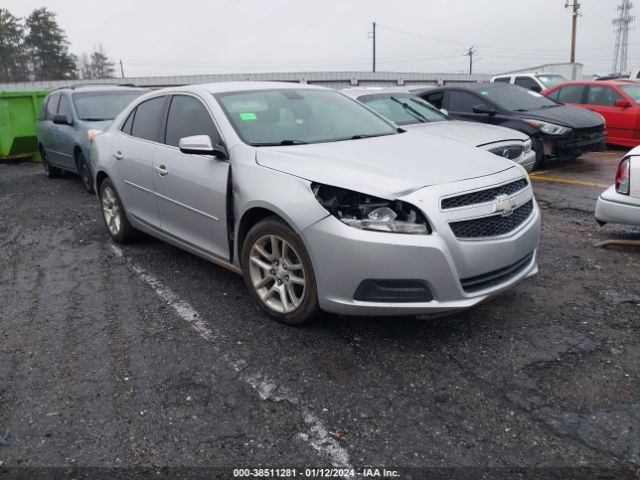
(510, 152)
(492, 226)
(491, 279)
(587, 133)
(484, 196)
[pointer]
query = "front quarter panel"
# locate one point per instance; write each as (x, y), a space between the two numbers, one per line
(285, 195)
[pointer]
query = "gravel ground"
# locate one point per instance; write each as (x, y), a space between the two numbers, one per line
(98, 369)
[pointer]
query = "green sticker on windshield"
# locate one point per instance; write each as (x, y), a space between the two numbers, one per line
(248, 116)
(484, 92)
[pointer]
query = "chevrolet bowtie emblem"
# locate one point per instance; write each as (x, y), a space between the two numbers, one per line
(504, 205)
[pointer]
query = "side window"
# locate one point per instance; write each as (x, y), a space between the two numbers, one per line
(462, 102)
(188, 117)
(146, 123)
(126, 127)
(52, 106)
(602, 95)
(502, 80)
(42, 113)
(528, 83)
(65, 107)
(570, 94)
(554, 95)
(435, 99)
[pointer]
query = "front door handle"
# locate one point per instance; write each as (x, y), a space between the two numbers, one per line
(118, 155)
(162, 170)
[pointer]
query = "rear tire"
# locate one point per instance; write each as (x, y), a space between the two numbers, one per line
(278, 272)
(49, 170)
(114, 215)
(83, 171)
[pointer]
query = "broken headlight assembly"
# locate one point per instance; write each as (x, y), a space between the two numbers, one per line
(365, 212)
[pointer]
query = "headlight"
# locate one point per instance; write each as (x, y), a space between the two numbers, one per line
(362, 211)
(549, 128)
(528, 145)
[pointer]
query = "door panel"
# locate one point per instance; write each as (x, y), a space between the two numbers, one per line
(192, 198)
(65, 138)
(191, 190)
(135, 177)
(133, 160)
(620, 121)
(50, 129)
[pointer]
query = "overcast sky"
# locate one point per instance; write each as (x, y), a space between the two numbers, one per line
(215, 36)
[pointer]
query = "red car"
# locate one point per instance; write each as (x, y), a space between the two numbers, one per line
(618, 101)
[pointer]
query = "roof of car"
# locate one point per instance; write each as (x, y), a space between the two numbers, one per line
(220, 87)
(361, 91)
(99, 88)
(596, 82)
(476, 86)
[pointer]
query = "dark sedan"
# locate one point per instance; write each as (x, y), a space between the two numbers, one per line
(557, 130)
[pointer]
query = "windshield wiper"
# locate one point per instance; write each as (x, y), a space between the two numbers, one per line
(282, 142)
(411, 110)
(544, 107)
(95, 119)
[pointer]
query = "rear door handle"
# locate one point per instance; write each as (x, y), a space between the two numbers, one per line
(161, 170)
(118, 155)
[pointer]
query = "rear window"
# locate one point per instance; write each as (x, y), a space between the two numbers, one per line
(502, 80)
(551, 80)
(97, 106)
(52, 106)
(570, 94)
(403, 109)
(517, 99)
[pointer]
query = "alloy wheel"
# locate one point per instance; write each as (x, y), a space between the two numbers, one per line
(111, 210)
(277, 273)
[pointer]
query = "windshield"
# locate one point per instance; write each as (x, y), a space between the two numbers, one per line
(403, 109)
(295, 116)
(96, 106)
(551, 80)
(633, 91)
(517, 99)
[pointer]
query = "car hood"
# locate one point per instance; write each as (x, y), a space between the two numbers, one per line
(565, 115)
(389, 166)
(476, 134)
(101, 125)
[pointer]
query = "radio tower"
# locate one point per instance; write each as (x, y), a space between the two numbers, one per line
(622, 36)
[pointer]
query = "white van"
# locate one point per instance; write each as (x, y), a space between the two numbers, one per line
(531, 81)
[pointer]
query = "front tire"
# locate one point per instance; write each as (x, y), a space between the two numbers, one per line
(49, 170)
(114, 215)
(279, 274)
(539, 150)
(83, 171)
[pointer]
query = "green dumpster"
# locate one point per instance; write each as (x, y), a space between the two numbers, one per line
(18, 119)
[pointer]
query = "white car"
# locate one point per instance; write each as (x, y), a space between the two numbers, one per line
(419, 116)
(620, 203)
(537, 82)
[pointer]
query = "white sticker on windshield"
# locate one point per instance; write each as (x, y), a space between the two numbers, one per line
(535, 94)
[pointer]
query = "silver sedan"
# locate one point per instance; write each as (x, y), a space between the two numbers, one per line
(319, 202)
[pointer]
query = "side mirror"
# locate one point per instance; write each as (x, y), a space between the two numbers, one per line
(60, 119)
(484, 108)
(445, 111)
(622, 103)
(201, 145)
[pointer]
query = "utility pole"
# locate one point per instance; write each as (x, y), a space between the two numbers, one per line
(574, 26)
(470, 53)
(373, 36)
(121, 69)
